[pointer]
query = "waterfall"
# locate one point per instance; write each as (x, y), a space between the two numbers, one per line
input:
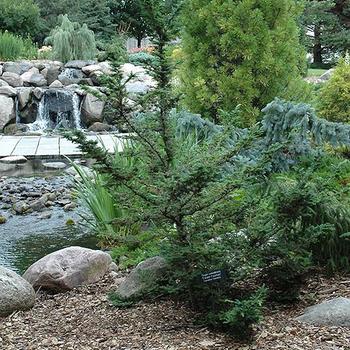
(57, 108)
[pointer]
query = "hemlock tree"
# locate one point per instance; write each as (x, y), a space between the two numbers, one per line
(238, 53)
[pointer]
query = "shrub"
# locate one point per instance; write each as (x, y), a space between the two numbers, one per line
(71, 41)
(114, 50)
(334, 96)
(13, 47)
(143, 59)
(238, 53)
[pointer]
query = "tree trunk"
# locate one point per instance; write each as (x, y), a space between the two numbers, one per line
(317, 48)
(139, 41)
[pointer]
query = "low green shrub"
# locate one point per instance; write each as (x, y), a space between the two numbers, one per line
(13, 47)
(334, 96)
(143, 59)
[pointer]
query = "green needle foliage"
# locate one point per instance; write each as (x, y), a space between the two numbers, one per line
(241, 52)
(13, 47)
(71, 41)
(334, 97)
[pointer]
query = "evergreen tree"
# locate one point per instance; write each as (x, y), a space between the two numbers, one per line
(19, 17)
(97, 16)
(71, 41)
(326, 24)
(128, 14)
(334, 97)
(238, 53)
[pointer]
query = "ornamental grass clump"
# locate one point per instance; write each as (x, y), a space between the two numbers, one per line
(13, 47)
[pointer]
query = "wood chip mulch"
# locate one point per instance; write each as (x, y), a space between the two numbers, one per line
(83, 319)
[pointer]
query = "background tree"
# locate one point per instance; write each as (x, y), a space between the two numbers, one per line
(238, 53)
(96, 14)
(19, 17)
(129, 14)
(326, 24)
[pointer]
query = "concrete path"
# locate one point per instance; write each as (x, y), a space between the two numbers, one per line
(51, 146)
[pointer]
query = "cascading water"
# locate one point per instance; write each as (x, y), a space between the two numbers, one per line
(57, 108)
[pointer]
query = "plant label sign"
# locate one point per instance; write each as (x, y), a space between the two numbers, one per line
(213, 276)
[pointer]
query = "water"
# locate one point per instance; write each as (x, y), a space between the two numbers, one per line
(57, 109)
(26, 239)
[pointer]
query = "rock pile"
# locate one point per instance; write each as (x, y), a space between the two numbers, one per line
(23, 85)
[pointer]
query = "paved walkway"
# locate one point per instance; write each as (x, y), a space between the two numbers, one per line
(51, 146)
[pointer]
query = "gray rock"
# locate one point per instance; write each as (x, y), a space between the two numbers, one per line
(53, 71)
(327, 75)
(3, 83)
(8, 91)
(1, 69)
(38, 93)
(71, 76)
(14, 129)
(15, 293)
(13, 160)
(7, 110)
(137, 87)
(69, 207)
(142, 276)
(17, 67)
(54, 165)
(335, 312)
(46, 215)
(99, 127)
(12, 79)
(56, 84)
(78, 64)
(23, 94)
(90, 69)
(68, 268)
(20, 208)
(29, 112)
(92, 109)
(34, 79)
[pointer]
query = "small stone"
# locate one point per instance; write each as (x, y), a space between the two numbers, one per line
(69, 207)
(45, 215)
(55, 165)
(2, 220)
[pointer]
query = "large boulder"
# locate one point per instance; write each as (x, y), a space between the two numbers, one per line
(17, 67)
(78, 64)
(3, 83)
(71, 76)
(92, 109)
(8, 91)
(51, 73)
(7, 110)
(12, 79)
(90, 69)
(335, 312)
(142, 276)
(24, 94)
(15, 293)
(68, 268)
(34, 79)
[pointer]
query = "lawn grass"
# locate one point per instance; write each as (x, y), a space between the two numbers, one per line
(312, 72)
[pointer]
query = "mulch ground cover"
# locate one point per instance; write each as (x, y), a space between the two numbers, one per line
(84, 319)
